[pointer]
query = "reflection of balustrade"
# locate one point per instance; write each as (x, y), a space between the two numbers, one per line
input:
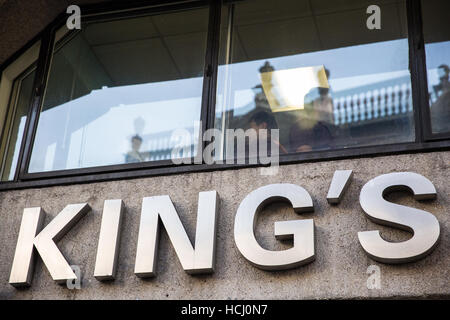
(381, 103)
(160, 148)
(166, 154)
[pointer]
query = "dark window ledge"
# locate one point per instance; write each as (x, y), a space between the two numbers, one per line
(73, 176)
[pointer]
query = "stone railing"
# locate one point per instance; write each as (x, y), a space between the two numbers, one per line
(375, 104)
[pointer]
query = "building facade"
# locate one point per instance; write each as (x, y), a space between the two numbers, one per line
(154, 98)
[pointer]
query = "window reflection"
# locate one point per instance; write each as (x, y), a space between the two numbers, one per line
(436, 27)
(15, 125)
(440, 99)
(328, 81)
(117, 91)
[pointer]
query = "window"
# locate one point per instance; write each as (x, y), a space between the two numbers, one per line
(117, 91)
(315, 71)
(132, 93)
(16, 89)
(20, 101)
(436, 28)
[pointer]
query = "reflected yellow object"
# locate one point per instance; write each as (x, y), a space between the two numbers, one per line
(285, 90)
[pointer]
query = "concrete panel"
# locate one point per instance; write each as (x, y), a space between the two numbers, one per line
(339, 270)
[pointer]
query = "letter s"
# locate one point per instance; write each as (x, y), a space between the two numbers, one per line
(423, 225)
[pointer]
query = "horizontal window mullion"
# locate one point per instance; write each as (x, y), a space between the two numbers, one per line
(389, 150)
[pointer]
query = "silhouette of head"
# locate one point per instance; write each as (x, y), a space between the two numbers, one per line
(263, 120)
(443, 71)
(136, 142)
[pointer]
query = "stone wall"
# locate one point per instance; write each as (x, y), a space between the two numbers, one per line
(339, 270)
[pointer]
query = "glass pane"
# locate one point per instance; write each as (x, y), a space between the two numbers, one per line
(118, 90)
(436, 28)
(316, 72)
(18, 109)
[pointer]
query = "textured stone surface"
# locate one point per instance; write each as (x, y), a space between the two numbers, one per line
(338, 272)
(340, 267)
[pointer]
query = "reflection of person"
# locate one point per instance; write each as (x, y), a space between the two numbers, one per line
(440, 109)
(322, 102)
(312, 129)
(135, 155)
(265, 120)
(444, 84)
(309, 132)
(305, 137)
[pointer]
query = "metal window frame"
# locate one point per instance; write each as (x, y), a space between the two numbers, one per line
(89, 16)
(425, 141)
(11, 111)
(419, 69)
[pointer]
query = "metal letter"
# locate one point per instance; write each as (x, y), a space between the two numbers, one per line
(423, 225)
(200, 260)
(109, 240)
(339, 184)
(301, 230)
(23, 263)
(44, 242)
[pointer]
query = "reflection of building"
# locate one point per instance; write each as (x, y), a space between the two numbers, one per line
(160, 145)
(374, 102)
(379, 109)
(360, 113)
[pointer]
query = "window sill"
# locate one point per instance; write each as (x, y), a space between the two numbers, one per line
(77, 176)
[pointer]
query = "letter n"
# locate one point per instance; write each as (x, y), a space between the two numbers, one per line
(198, 260)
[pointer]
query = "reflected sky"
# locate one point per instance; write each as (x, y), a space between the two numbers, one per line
(103, 122)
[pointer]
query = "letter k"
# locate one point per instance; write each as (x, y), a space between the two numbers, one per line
(44, 241)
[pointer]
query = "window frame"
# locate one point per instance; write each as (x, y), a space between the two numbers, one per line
(10, 113)
(425, 140)
(27, 58)
(101, 16)
(420, 69)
